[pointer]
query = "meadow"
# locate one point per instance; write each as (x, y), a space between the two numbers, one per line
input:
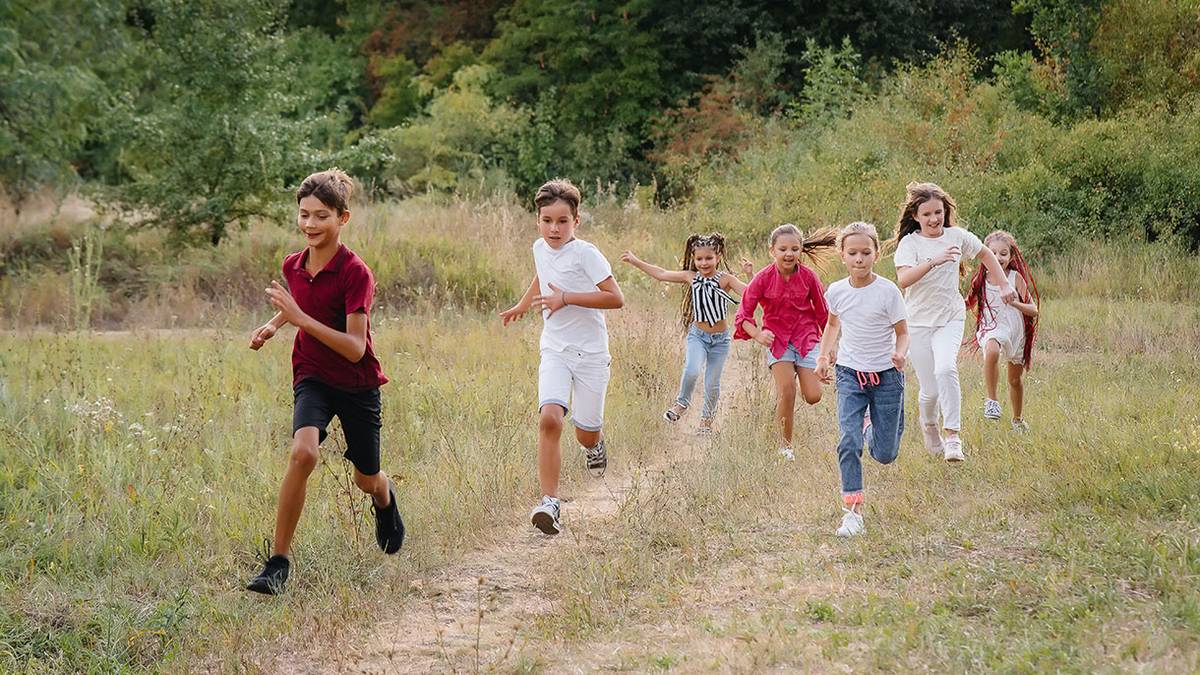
(140, 466)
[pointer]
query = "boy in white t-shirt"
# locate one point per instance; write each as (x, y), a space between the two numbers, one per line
(573, 283)
(867, 311)
(929, 249)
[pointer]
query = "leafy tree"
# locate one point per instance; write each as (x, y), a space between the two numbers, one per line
(221, 132)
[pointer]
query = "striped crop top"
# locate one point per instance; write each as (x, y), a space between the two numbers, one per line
(709, 299)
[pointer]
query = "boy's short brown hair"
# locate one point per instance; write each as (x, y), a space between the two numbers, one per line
(559, 188)
(332, 186)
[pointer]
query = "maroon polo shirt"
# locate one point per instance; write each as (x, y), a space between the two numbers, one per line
(344, 286)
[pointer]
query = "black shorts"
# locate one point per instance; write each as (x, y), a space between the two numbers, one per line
(317, 403)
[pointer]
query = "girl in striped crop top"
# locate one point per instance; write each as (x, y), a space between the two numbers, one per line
(705, 305)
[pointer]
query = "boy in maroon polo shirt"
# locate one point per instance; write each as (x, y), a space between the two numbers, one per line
(334, 368)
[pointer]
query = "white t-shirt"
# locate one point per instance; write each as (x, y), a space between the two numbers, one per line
(575, 267)
(867, 315)
(935, 300)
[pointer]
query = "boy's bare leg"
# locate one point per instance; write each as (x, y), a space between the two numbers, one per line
(550, 426)
(587, 439)
(376, 486)
(295, 486)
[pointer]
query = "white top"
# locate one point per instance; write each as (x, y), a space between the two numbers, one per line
(935, 300)
(1003, 323)
(867, 315)
(575, 267)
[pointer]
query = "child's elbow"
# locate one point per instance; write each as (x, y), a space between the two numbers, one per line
(618, 300)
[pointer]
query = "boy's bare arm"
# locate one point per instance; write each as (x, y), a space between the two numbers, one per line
(351, 344)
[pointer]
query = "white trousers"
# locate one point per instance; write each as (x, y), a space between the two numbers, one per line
(934, 354)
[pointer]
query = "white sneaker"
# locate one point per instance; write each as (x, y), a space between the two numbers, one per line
(787, 454)
(953, 451)
(1020, 426)
(852, 524)
(991, 409)
(933, 438)
(545, 516)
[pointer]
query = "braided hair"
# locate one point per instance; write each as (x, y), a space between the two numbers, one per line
(977, 295)
(714, 241)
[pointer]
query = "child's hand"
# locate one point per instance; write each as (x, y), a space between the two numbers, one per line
(1008, 293)
(765, 338)
(948, 254)
(553, 302)
(747, 266)
(899, 360)
(824, 372)
(261, 335)
(513, 313)
(283, 301)
(629, 257)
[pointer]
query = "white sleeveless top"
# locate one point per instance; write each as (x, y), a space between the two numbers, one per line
(1003, 323)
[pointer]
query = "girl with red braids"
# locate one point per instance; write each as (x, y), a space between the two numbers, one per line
(1005, 331)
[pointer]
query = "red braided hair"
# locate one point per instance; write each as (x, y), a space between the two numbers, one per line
(977, 295)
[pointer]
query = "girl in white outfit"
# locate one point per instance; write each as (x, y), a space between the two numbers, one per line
(1005, 331)
(927, 241)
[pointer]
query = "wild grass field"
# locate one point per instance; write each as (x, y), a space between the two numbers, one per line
(140, 467)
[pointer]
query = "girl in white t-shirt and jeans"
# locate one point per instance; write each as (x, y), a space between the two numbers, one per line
(930, 248)
(573, 283)
(867, 312)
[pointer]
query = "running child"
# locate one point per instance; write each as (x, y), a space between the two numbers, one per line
(702, 315)
(794, 314)
(1005, 331)
(572, 284)
(334, 368)
(930, 248)
(868, 333)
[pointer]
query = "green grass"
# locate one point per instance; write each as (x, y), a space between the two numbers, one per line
(139, 471)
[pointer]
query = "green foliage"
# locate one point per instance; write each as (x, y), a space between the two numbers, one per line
(457, 141)
(400, 97)
(54, 56)
(222, 132)
(1128, 177)
(833, 84)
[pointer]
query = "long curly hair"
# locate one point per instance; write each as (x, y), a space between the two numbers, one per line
(977, 295)
(714, 241)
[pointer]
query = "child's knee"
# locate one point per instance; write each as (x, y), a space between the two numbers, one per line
(812, 397)
(304, 455)
(1014, 379)
(550, 420)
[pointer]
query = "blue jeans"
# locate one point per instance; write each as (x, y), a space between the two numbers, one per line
(703, 348)
(886, 403)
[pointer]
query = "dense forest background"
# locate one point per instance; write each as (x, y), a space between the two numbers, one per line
(1081, 117)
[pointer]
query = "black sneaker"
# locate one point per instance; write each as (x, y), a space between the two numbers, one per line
(389, 526)
(270, 581)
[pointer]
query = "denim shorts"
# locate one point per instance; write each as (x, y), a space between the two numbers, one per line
(792, 354)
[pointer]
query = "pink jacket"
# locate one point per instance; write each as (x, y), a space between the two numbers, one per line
(794, 309)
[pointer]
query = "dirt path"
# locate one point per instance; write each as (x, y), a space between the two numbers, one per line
(476, 614)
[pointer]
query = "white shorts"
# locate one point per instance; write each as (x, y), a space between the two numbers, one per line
(576, 377)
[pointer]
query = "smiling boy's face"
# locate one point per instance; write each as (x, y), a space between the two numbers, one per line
(557, 224)
(319, 223)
